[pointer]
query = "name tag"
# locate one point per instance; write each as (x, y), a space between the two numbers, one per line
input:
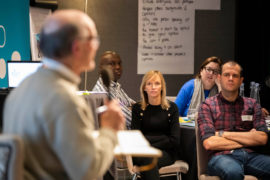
(247, 117)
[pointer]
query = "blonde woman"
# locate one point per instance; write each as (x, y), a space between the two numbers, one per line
(157, 118)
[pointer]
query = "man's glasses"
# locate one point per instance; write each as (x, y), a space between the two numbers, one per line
(210, 70)
(91, 38)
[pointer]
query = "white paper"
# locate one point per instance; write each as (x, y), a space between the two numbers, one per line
(132, 142)
(166, 36)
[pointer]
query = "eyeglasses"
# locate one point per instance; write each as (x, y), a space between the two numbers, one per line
(94, 38)
(91, 38)
(210, 70)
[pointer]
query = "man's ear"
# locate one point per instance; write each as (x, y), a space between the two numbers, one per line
(75, 48)
(242, 79)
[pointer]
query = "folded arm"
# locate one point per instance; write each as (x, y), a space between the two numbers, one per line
(220, 143)
(234, 140)
(250, 138)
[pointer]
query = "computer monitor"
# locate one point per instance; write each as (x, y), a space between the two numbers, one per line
(19, 70)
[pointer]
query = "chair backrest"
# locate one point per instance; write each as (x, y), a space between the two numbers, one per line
(11, 157)
(202, 156)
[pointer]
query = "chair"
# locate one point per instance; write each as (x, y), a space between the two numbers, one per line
(175, 169)
(202, 160)
(11, 157)
(121, 168)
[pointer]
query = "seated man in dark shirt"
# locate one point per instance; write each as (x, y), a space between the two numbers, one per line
(229, 125)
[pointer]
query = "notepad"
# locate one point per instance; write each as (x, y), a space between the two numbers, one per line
(133, 143)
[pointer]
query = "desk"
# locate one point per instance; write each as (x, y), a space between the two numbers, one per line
(187, 151)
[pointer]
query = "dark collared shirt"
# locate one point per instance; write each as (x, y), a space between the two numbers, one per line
(216, 114)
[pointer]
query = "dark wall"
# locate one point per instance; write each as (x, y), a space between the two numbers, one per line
(253, 39)
(117, 24)
(253, 45)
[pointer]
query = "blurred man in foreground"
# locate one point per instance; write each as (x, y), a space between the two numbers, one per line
(56, 124)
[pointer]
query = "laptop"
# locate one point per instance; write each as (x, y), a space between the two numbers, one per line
(19, 70)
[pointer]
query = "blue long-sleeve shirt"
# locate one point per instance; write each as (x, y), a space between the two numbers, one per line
(184, 97)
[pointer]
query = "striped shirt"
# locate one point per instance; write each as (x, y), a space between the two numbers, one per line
(216, 113)
(117, 93)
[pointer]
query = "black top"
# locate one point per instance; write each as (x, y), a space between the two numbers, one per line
(160, 127)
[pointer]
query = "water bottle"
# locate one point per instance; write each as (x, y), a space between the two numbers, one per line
(256, 92)
(252, 89)
(242, 90)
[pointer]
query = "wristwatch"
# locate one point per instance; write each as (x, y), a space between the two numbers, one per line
(220, 133)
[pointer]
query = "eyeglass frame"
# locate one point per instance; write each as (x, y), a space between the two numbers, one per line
(209, 70)
(90, 38)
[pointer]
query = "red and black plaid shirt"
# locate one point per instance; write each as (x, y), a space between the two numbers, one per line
(216, 113)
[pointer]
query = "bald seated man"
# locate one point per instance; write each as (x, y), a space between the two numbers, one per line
(55, 124)
(112, 60)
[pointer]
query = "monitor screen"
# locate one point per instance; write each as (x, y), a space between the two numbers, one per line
(19, 70)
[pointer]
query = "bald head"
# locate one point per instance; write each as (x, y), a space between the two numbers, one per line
(61, 18)
(112, 60)
(61, 29)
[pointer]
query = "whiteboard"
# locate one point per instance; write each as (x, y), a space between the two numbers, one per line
(166, 34)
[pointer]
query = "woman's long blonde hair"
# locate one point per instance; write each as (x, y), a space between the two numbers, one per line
(144, 96)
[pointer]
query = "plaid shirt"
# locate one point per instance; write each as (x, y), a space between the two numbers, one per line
(216, 114)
